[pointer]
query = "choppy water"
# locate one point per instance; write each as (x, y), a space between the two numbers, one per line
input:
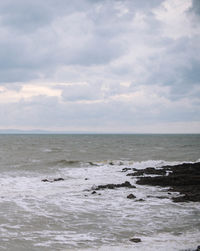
(64, 215)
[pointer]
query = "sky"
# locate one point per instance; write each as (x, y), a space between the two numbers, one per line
(119, 66)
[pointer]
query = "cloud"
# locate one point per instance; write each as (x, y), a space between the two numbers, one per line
(99, 63)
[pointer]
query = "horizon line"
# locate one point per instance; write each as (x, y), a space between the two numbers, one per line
(40, 132)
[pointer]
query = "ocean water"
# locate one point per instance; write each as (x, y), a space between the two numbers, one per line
(64, 215)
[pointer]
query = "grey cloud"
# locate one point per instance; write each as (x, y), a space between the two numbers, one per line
(102, 43)
(39, 112)
(81, 92)
(195, 7)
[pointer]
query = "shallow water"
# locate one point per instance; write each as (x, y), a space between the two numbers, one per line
(64, 215)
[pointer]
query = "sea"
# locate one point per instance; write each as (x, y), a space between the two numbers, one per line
(65, 215)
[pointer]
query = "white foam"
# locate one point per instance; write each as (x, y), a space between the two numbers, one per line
(67, 214)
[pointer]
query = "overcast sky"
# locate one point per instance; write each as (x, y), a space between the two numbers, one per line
(100, 65)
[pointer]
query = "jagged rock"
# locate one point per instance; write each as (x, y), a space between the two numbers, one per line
(45, 180)
(136, 240)
(183, 178)
(126, 169)
(131, 196)
(140, 200)
(126, 184)
(148, 170)
(56, 179)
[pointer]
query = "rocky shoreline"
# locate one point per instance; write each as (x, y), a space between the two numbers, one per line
(183, 178)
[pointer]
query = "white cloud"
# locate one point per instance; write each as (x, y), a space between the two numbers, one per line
(98, 64)
(27, 92)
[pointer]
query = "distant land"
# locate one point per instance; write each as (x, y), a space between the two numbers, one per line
(18, 131)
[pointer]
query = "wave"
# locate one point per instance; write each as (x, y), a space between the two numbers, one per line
(138, 164)
(65, 162)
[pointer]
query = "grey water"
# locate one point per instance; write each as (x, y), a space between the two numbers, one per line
(63, 215)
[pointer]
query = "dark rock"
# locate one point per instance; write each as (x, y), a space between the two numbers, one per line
(158, 197)
(140, 200)
(93, 192)
(183, 178)
(198, 248)
(148, 170)
(58, 179)
(136, 240)
(131, 196)
(162, 197)
(126, 169)
(86, 178)
(45, 180)
(126, 184)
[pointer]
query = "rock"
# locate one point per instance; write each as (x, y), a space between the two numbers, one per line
(126, 169)
(86, 178)
(126, 184)
(140, 200)
(131, 196)
(136, 240)
(58, 179)
(93, 192)
(198, 248)
(45, 180)
(148, 170)
(183, 178)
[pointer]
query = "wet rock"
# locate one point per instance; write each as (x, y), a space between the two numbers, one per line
(183, 178)
(140, 200)
(136, 240)
(131, 196)
(158, 197)
(126, 169)
(45, 180)
(58, 179)
(148, 171)
(126, 184)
